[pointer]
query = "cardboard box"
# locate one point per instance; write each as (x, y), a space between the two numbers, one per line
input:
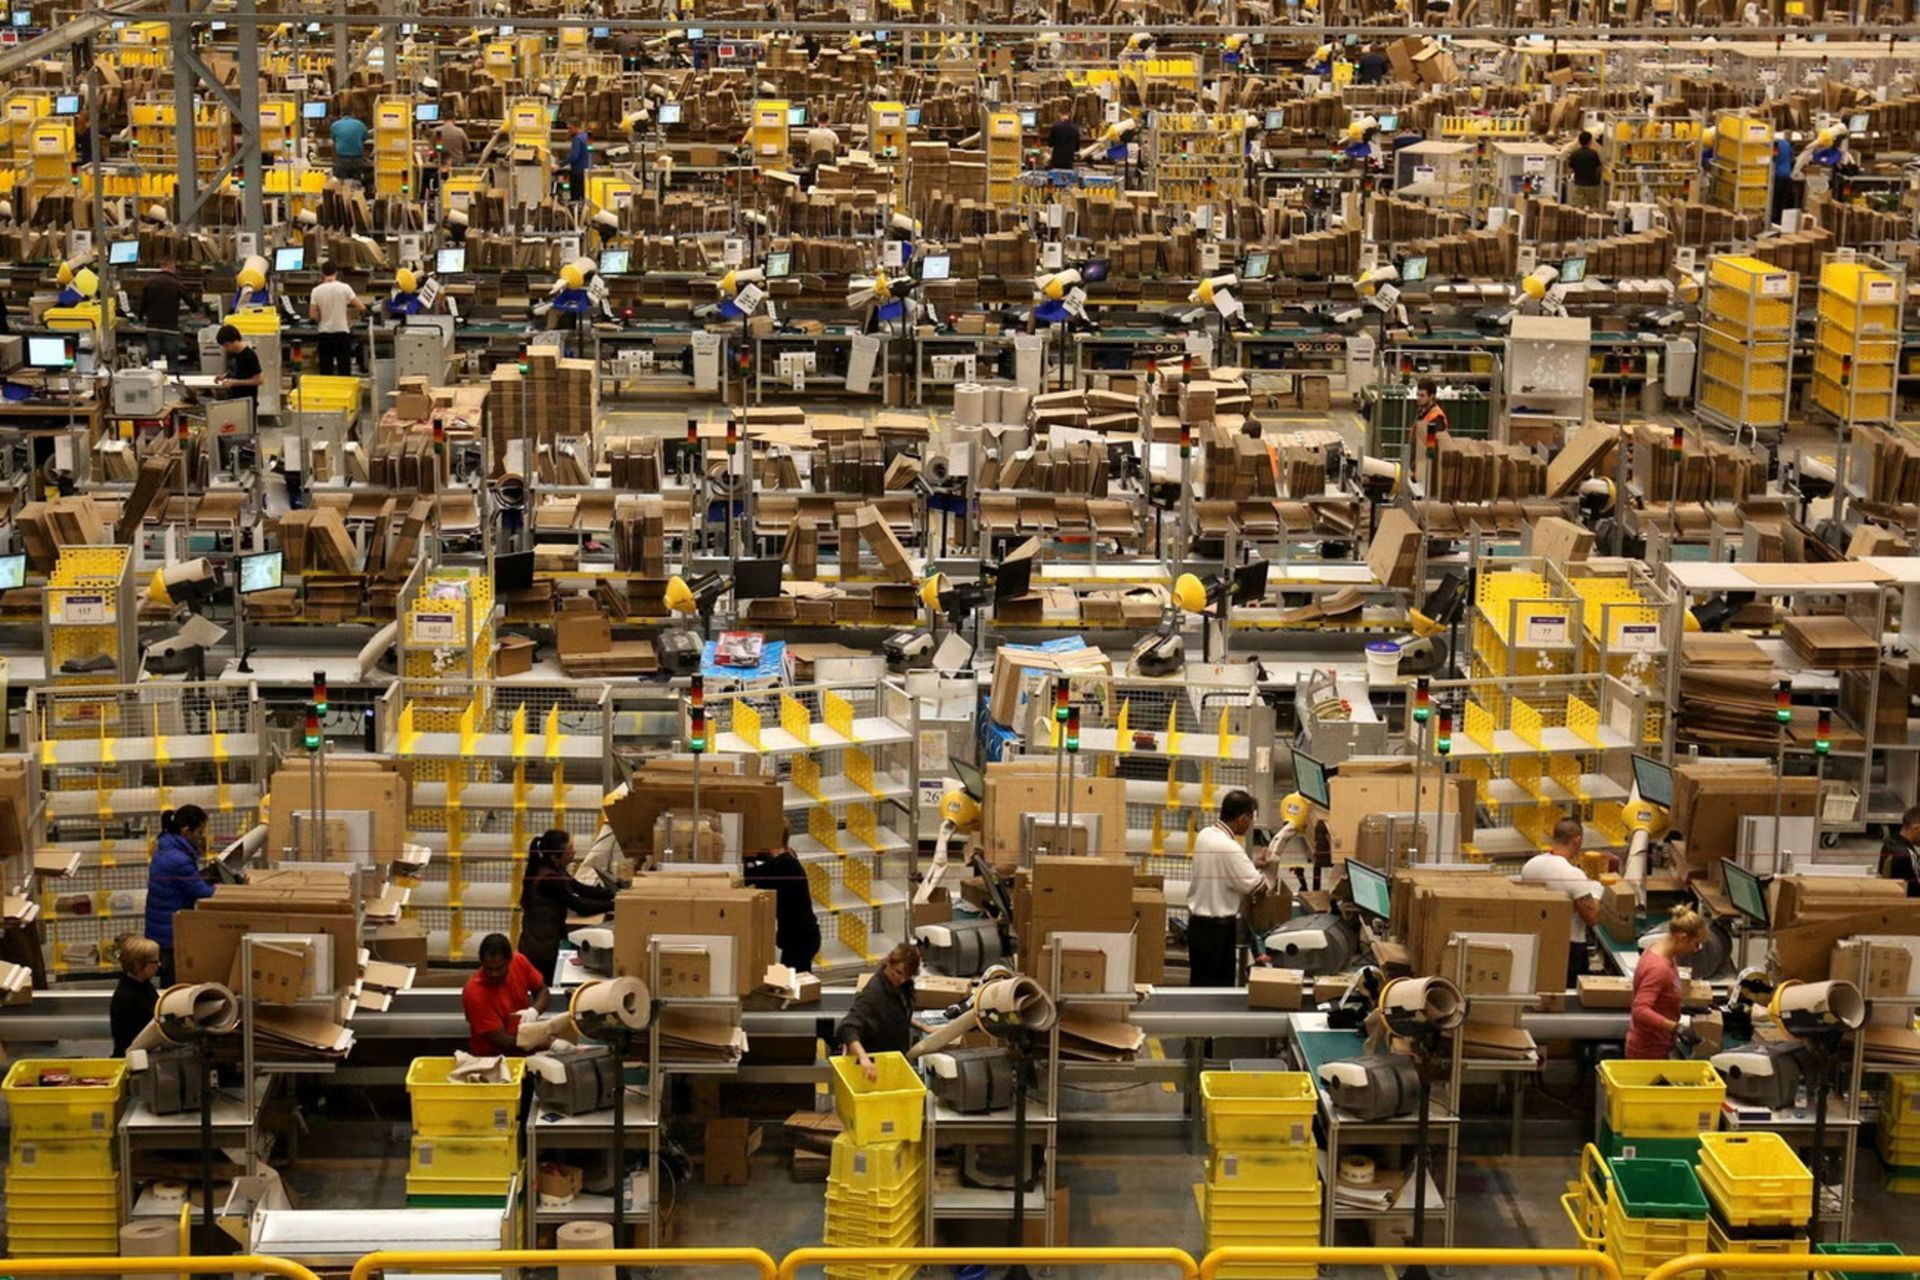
(1710, 799)
(1883, 970)
(1284, 989)
(1083, 971)
(404, 943)
(745, 915)
(1491, 905)
(1609, 992)
(685, 971)
(285, 969)
(1017, 789)
(513, 656)
(1808, 899)
(1149, 935)
(1478, 968)
(1395, 549)
(749, 806)
(730, 1144)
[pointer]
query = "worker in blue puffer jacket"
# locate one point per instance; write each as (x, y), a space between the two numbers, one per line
(174, 878)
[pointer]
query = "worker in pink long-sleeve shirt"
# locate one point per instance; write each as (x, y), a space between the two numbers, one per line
(1656, 1022)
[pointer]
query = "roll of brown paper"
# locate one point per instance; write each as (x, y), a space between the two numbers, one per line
(583, 1235)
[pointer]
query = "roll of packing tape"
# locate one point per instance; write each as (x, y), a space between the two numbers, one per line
(625, 1002)
(583, 1235)
(1356, 1170)
(151, 1238)
(169, 1192)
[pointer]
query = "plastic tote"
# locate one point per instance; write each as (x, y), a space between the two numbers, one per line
(889, 1108)
(65, 1110)
(1653, 1099)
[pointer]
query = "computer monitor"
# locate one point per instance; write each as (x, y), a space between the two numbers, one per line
(123, 253)
(756, 579)
(1096, 270)
(1573, 271)
(50, 352)
(262, 572)
(450, 262)
(426, 112)
(1310, 780)
(601, 33)
(291, 258)
(1250, 582)
(972, 781)
(1256, 267)
(668, 113)
(1857, 123)
(913, 117)
(1371, 891)
(1276, 120)
(1745, 891)
(779, 264)
(13, 572)
(1389, 122)
(1653, 780)
(796, 115)
(23, 17)
(66, 104)
(512, 571)
(696, 33)
(936, 266)
(613, 262)
(313, 111)
(1413, 270)
(506, 31)
(1014, 579)
(1029, 118)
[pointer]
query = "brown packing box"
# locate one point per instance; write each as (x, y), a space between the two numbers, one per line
(1560, 540)
(513, 656)
(1017, 788)
(1888, 967)
(1395, 549)
(1609, 992)
(1478, 968)
(655, 790)
(745, 915)
(730, 1142)
(1283, 989)
(1710, 799)
(1492, 905)
(1149, 935)
(1806, 899)
(894, 561)
(1083, 971)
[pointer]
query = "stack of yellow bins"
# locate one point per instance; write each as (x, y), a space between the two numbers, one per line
(1263, 1173)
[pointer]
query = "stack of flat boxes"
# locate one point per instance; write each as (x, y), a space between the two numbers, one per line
(63, 1175)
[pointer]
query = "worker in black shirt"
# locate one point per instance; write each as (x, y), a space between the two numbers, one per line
(160, 301)
(243, 376)
(880, 1019)
(134, 995)
(1372, 68)
(1588, 189)
(549, 895)
(1900, 855)
(1063, 140)
(796, 930)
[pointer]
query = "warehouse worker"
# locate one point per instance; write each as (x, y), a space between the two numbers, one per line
(1587, 188)
(1656, 1024)
(823, 145)
(880, 1019)
(505, 986)
(1372, 68)
(1820, 158)
(1063, 143)
(241, 381)
(1428, 417)
(796, 930)
(451, 142)
(1222, 877)
(1900, 855)
(349, 135)
(134, 995)
(1559, 868)
(174, 879)
(579, 160)
(1782, 177)
(160, 302)
(549, 894)
(333, 307)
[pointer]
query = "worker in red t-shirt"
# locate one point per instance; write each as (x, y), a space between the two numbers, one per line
(506, 985)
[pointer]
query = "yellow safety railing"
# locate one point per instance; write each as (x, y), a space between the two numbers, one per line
(1062, 1257)
(1320, 1255)
(1774, 1264)
(495, 1259)
(240, 1264)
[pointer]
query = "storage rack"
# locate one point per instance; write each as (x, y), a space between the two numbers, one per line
(103, 762)
(1857, 338)
(92, 611)
(1199, 158)
(393, 167)
(552, 1134)
(1742, 173)
(1002, 133)
(1655, 158)
(1746, 343)
(848, 761)
(1624, 633)
(519, 759)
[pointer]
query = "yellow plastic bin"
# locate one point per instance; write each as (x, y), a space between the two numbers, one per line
(889, 1108)
(1653, 1099)
(444, 1108)
(876, 1167)
(65, 1110)
(1258, 1108)
(65, 1158)
(1295, 1167)
(444, 1157)
(1755, 1179)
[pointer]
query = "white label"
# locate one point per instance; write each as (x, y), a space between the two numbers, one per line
(750, 298)
(435, 628)
(1534, 164)
(1639, 637)
(84, 611)
(1880, 291)
(1862, 75)
(1769, 75)
(1423, 173)
(1775, 284)
(1547, 629)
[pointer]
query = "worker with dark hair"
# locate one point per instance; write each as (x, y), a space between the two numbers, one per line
(796, 930)
(1222, 877)
(244, 375)
(1900, 855)
(548, 895)
(1559, 868)
(1428, 417)
(504, 987)
(175, 881)
(880, 1019)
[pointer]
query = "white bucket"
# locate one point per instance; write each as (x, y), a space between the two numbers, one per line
(1383, 661)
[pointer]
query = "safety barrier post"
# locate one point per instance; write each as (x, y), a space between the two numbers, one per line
(499, 1259)
(1179, 1259)
(1326, 1256)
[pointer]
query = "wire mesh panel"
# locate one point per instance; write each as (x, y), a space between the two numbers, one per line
(105, 762)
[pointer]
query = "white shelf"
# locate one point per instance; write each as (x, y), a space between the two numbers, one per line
(868, 731)
(842, 790)
(499, 795)
(810, 849)
(1552, 742)
(1593, 786)
(179, 748)
(142, 800)
(499, 746)
(1194, 745)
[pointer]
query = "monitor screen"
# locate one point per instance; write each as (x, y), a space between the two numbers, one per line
(669, 113)
(1371, 890)
(1857, 123)
(49, 352)
(262, 572)
(779, 264)
(1573, 271)
(796, 115)
(613, 262)
(1414, 269)
(426, 112)
(313, 110)
(1250, 583)
(1029, 119)
(913, 117)
(1654, 781)
(66, 104)
(123, 253)
(513, 571)
(1096, 270)
(936, 266)
(601, 33)
(1389, 122)
(23, 18)
(450, 262)
(291, 258)
(1744, 891)
(506, 31)
(13, 572)
(1257, 266)
(756, 579)
(972, 781)
(696, 33)
(1276, 120)
(1310, 780)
